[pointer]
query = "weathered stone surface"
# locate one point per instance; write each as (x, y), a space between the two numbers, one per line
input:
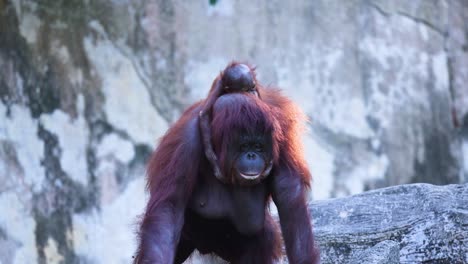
(428, 223)
(87, 88)
(385, 252)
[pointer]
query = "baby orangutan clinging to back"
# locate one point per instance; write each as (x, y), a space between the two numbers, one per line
(236, 78)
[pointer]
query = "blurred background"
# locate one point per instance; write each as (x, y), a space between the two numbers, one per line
(88, 86)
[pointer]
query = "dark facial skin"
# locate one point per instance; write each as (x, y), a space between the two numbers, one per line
(250, 164)
(252, 159)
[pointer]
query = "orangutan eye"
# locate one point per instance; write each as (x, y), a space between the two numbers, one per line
(244, 147)
(258, 147)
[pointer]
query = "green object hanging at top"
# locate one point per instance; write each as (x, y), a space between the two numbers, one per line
(213, 2)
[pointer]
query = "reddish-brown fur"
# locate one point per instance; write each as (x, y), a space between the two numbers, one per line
(223, 84)
(179, 174)
(250, 117)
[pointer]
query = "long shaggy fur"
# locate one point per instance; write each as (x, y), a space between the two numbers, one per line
(178, 167)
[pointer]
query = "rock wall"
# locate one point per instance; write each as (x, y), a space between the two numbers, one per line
(87, 87)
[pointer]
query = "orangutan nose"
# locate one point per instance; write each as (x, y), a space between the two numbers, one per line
(251, 156)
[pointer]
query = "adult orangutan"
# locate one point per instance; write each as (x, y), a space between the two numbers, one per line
(255, 135)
